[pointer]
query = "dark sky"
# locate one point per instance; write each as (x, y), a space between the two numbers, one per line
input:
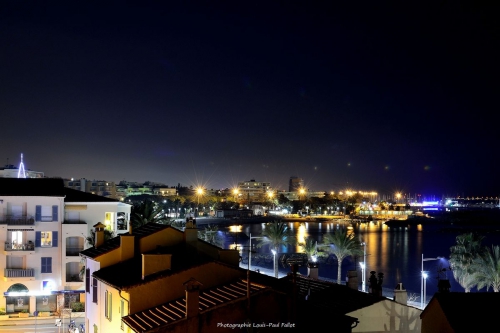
(368, 95)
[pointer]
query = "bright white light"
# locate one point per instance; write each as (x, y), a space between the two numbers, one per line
(273, 251)
(314, 258)
(362, 265)
(424, 275)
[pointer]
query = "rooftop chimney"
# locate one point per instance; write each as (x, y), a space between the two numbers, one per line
(98, 234)
(192, 297)
(127, 246)
(376, 283)
(352, 279)
(190, 232)
(400, 294)
(444, 286)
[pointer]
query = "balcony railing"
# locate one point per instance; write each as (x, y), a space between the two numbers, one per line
(17, 272)
(73, 251)
(74, 222)
(73, 278)
(30, 246)
(17, 220)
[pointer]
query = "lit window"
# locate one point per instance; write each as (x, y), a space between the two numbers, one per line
(46, 240)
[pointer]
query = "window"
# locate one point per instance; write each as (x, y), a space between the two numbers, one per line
(46, 213)
(122, 312)
(46, 265)
(94, 290)
(107, 305)
(109, 220)
(87, 280)
(46, 238)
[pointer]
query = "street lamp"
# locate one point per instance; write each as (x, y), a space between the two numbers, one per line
(274, 263)
(423, 280)
(199, 191)
(250, 253)
(363, 267)
(235, 192)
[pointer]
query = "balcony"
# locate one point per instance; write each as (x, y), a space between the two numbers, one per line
(19, 273)
(29, 246)
(73, 278)
(17, 220)
(73, 251)
(74, 222)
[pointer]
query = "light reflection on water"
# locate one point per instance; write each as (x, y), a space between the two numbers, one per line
(396, 252)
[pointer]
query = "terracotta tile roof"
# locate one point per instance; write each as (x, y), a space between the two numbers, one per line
(42, 187)
(338, 298)
(114, 243)
(127, 274)
(170, 312)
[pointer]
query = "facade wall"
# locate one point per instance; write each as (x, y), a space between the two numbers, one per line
(387, 316)
(104, 212)
(27, 243)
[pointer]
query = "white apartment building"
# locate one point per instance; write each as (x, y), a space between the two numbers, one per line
(44, 226)
(252, 190)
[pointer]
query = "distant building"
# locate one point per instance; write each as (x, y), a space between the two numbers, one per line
(295, 184)
(11, 171)
(253, 191)
(98, 187)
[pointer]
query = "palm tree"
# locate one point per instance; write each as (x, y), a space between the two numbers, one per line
(487, 269)
(276, 234)
(462, 256)
(146, 212)
(210, 234)
(344, 245)
(310, 248)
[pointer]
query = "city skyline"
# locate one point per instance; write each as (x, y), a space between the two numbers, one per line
(382, 96)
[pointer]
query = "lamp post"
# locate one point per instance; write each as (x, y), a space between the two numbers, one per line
(423, 280)
(425, 286)
(250, 251)
(199, 191)
(363, 267)
(274, 263)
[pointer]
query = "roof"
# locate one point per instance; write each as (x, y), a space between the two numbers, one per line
(466, 312)
(175, 310)
(79, 196)
(336, 298)
(127, 274)
(39, 187)
(114, 243)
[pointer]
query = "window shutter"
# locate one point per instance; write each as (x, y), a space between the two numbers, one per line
(38, 213)
(54, 213)
(38, 238)
(110, 303)
(94, 290)
(87, 280)
(55, 235)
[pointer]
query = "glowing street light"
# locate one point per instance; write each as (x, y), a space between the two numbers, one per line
(363, 267)
(274, 263)
(423, 280)
(235, 192)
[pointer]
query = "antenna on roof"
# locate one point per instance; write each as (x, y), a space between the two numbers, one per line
(21, 173)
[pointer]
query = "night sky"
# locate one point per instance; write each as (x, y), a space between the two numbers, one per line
(368, 95)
